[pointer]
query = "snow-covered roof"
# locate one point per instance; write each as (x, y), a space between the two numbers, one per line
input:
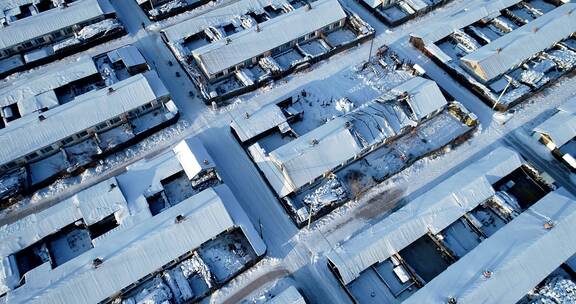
(8, 4)
(425, 96)
(510, 50)
(28, 134)
(193, 156)
(258, 122)
(25, 90)
(519, 256)
(464, 17)
(289, 295)
(315, 153)
(128, 54)
(91, 204)
(221, 55)
(432, 211)
(143, 178)
(216, 16)
(52, 20)
(129, 256)
(561, 127)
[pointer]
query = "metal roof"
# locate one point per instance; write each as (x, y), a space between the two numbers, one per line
(432, 211)
(512, 49)
(221, 55)
(28, 134)
(519, 256)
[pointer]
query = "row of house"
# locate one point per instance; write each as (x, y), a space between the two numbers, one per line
(44, 32)
(114, 242)
(60, 84)
(505, 50)
(96, 118)
(452, 243)
(234, 49)
(303, 169)
(396, 12)
(558, 132)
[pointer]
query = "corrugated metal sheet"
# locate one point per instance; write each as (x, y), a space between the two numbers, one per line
(519, 256)
(432, 211)
(510, 50)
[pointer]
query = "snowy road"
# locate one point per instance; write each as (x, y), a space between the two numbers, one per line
(300, 253)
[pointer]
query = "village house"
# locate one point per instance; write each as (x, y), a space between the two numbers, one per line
(110, 233)
(445, 245)
(230, 56)
(506, 51)
(97, 122)
(60, 84)
(296, 166)
(558, 133)
(36, 32)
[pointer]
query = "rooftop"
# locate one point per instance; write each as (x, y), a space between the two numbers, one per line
(130, 255)
(29, 133)
(52, 20)
(221, 55)
(28, 89)
(510, 50)
(534, 253)
(561, 127)
(432, 211)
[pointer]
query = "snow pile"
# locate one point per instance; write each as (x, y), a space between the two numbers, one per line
(566, 59)
(100, 28)
(330, 192)
(66, 44)
(268, 63)
(166, 8)
(196, 266)
(556, 290)
(533, 78)
(344, 105)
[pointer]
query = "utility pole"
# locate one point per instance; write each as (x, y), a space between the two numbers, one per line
(369, 54)
(371, 45)
(503, 92)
